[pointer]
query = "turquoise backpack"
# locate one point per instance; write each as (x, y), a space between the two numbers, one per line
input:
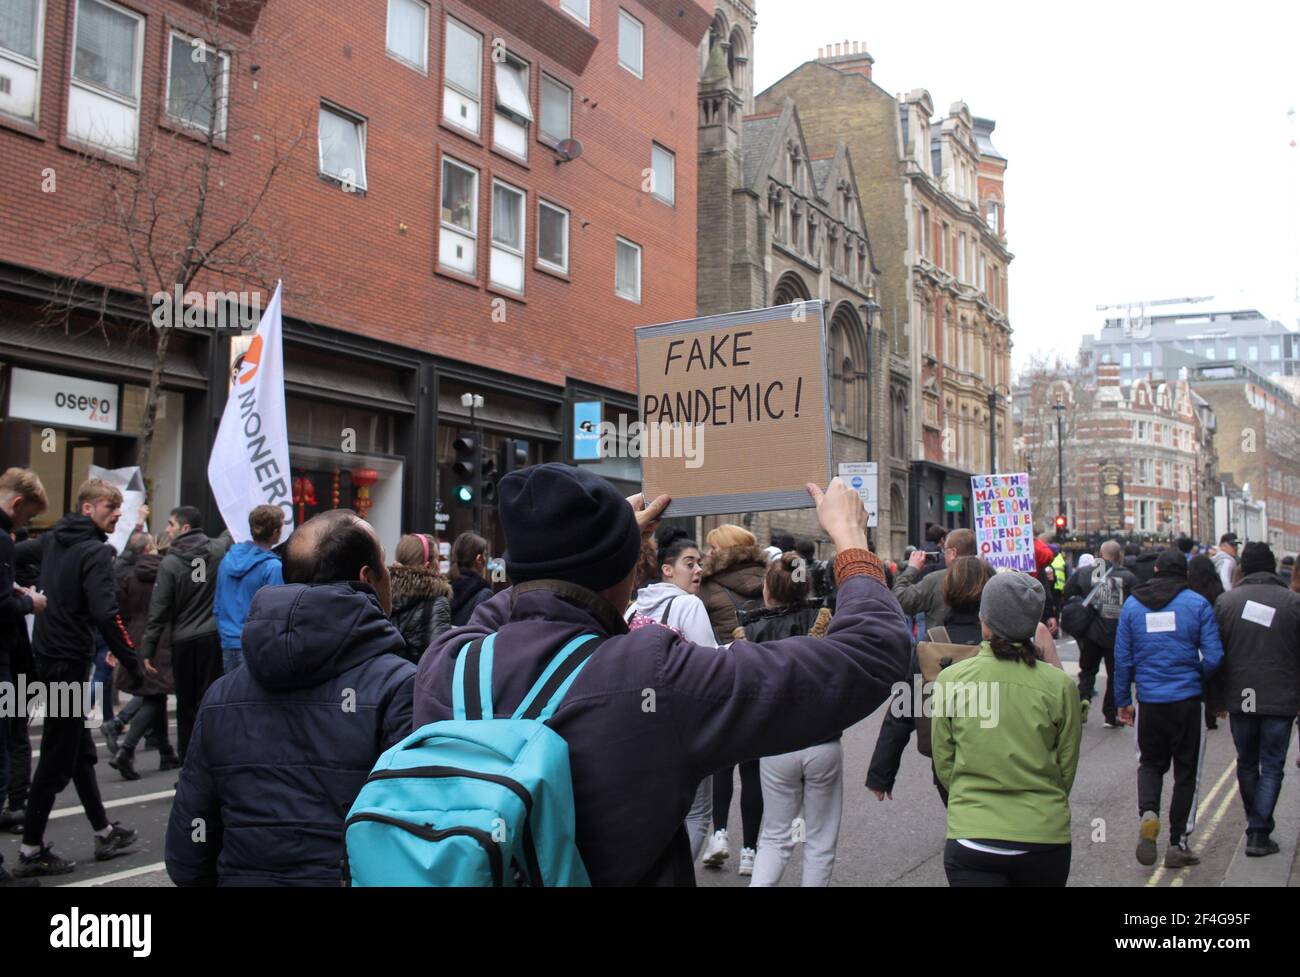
(474, 800)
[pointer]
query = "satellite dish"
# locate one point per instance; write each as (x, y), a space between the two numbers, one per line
(567, 149)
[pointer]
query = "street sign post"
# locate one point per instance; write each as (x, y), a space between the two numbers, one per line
(862, 477)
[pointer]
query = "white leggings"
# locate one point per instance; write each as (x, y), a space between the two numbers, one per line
(811, 781)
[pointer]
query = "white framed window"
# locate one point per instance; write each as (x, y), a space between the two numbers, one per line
(1126, 359)
(961, 257)
(1231, 353)
(462, 76)
(1275, 352)
(408, 32)
(104, 94)
(1146, 357)
(631, 43)
(514, 114)
(1252, 353)
(663, 173)
(198, 84)
(556, 122)
(457, 241)
(580, 9)
(509, 212)
(627, 270)
(342, 139)
(552, 236)
(991, 215)
(22, 35)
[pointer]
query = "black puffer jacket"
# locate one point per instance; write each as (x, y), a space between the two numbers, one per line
(77, 580)
(282, 746)
(421, 606)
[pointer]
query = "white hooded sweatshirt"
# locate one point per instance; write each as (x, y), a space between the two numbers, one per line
(686, 613)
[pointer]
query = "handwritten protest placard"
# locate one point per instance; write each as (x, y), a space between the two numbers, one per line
(734, 412)
(1004, 520)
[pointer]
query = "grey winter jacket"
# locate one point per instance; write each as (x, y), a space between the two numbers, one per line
(185, 590)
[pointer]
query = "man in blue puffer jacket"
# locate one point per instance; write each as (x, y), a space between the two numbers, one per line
(282, 746)
(247, 568)
(1168, 641)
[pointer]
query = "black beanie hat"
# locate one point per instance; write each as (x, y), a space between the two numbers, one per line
(564, 523)
(1257, 558)
(1171, 562)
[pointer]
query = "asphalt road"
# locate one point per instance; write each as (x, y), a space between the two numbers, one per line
(894, 842)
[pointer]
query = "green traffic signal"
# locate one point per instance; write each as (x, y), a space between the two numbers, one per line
(464, 494)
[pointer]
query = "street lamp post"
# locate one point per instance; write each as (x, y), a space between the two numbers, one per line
(993, 424)
(1059, 407)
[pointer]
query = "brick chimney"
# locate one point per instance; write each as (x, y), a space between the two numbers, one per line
(1108, 385)
(847, 56)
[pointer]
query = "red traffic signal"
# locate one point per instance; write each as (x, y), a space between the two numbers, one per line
(1060, 524)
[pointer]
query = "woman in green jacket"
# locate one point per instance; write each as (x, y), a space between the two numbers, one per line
(1005, 733)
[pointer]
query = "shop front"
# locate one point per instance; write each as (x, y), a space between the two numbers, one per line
(941, 496)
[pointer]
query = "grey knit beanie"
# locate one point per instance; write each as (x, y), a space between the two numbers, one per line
(1011, 605)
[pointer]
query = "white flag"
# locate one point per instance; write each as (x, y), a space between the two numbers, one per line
(249, 465)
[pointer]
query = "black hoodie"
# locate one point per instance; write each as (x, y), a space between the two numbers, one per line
(14, 607)
(77, 579)
(467, 591)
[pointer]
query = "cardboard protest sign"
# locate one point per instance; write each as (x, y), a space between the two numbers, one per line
(1004, 521)
(734, 411)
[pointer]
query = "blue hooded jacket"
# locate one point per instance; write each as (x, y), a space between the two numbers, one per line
(1167, 650)
(282, 745)
(246, 569)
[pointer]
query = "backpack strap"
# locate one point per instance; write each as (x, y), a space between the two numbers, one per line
(549, 690)
(471, 683)
(663, 618)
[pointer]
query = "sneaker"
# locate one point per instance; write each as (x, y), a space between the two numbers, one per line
(1178, 856)
(1148, 832)
(111, 730)
(1110, 724)
(1258, 844)
(118, 840)
(716, 852)
(1084, 706)
(124, 763)
(169, 761)
(746, 866)
(7, 879)
(44, 862)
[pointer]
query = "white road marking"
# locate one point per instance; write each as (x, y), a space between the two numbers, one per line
(115, 877)
(67, 812)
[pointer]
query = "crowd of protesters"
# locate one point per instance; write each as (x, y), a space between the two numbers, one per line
(297, 659)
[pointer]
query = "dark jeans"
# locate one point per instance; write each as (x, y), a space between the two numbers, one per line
(968, 868)
(67, 754)
(20, 763)
(1261, 742)
(751, 801)
(5, 722)
(152, 714)
(196, 664)
(1091, 657)
(1170, 732)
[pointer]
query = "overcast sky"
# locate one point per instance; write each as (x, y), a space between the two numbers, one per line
(1148, 143)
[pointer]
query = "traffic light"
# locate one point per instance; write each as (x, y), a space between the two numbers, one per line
(488, 478)
(513, 455)
(466, 468)
(1060, 526)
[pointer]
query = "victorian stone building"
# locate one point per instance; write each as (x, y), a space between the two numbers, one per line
(932, 196)
(1136, 457)
(779, 223)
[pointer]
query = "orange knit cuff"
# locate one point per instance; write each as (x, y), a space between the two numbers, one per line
(859, 563)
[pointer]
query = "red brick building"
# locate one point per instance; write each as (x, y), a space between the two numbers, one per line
(433, 236)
